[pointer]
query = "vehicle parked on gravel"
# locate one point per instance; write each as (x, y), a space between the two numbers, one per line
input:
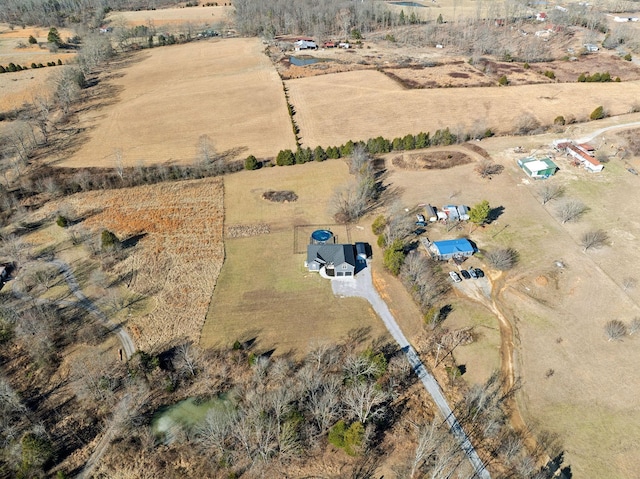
(454, 276)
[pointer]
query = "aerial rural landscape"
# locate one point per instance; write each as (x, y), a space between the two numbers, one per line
(321, 239)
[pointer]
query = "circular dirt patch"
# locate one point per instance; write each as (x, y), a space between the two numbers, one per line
(280, 196)
(542, 281)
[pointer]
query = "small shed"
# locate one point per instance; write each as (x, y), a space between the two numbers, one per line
(538, 167)
(452, 212)
(451, 249)
(431, 213)
(463, 212)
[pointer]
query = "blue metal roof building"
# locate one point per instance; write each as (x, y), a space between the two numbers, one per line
(447, 249)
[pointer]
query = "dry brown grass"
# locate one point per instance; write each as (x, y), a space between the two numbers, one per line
(22, 87)
(264, 291)
(376, 105)
(226, 89)
(164, 16)
(176, 261)
(559, 314)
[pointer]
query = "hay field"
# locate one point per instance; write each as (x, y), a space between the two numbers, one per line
(18, 88)
(177, 258)
(358, 105)
(226, 89)
(169, 16)
(264, 291)
(559, 314)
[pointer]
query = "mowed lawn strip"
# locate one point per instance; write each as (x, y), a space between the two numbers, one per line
(225, 89)
(332, 109)
(264, 292)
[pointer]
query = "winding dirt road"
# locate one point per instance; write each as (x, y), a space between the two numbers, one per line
(85, 303)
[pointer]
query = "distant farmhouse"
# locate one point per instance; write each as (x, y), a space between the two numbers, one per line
(538, 167)
(581, 153)
(305, 44)
(335, 260)
(460, 249)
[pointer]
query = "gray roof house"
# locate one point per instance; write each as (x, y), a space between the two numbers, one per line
(336, 259)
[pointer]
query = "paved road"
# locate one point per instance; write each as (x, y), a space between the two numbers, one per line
(362, 286)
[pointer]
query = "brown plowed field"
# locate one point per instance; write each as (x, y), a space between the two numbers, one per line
(358, 105)
(226, 89)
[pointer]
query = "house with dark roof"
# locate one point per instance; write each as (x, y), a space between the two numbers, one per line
(451, 249)
(337, 260)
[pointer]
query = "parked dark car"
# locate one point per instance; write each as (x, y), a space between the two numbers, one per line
(479, 272)
(465, 274)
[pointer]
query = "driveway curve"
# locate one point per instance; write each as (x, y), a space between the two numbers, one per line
(362, 286)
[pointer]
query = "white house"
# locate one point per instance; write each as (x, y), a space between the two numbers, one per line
(305, 45)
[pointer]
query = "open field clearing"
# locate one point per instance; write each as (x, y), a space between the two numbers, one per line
(333, 109)
(575, 382)
(18, 88)
(225, 89)
(197, 15)
(264, 292)
(178, 256)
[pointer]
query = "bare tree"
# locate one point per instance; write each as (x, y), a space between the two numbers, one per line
(550, 191)
(364, 401)
(348, 204)
(187, 358)
(400, 223)
(526, 124)
(593, 239)
(487, 168)
(615, 330)
(570, 210)
(117, 162)
(634, 326)
(206, 150)
(502, 258)
(15, 248)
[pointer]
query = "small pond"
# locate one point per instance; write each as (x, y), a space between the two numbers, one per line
(185, 415)
(302, 61)
(407, 4)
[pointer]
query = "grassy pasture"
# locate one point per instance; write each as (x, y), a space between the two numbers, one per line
(264, 291)
(559, 314)
(333, 109)
(226, 89)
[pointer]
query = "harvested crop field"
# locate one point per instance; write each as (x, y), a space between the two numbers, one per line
(179, 252)
(225, 89)
(164, 16)
(359, 105)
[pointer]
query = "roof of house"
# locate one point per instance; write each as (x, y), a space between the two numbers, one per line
(460, 245)
(583, 155)
(331, 253)
(538, 163)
